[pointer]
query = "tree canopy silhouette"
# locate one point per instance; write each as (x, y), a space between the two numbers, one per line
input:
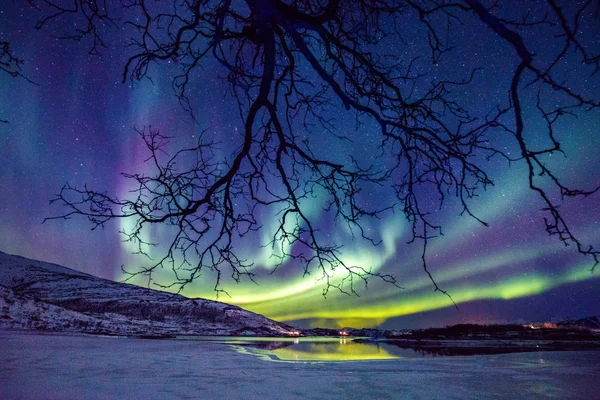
(287, 64)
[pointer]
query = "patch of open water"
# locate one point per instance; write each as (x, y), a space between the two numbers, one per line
(335, 349)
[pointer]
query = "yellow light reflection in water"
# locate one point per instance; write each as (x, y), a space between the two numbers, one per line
(342, 350)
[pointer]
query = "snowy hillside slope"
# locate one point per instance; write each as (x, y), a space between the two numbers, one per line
(592, 323)
(49, 297)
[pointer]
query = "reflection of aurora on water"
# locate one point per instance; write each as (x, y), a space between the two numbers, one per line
(322, 351)
(330, 349)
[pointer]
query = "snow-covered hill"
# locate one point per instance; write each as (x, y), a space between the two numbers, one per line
(592, 323)
(49, 297)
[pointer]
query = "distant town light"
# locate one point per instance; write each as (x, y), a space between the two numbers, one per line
(545, 325)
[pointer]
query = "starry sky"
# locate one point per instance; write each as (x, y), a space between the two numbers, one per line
(76, 124)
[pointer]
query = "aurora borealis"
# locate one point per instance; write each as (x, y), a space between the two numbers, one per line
(77, 122)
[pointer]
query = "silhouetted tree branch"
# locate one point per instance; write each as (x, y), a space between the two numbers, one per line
(10, 64)
(287, 64)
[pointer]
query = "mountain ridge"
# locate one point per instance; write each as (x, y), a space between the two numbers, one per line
(49, 297)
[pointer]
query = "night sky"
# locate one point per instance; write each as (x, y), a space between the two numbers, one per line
(77, 122)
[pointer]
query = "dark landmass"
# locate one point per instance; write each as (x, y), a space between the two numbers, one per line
(467, 339)
(586, 323)
(472, 339)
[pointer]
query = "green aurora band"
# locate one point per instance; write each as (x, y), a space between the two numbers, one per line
(473, 276)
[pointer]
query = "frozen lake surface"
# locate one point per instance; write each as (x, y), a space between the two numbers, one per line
(79, 367)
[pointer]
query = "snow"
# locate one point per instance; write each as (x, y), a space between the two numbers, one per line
(71, 367)
(48, 297)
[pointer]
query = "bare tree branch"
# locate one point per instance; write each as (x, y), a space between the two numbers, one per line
(286, 64)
